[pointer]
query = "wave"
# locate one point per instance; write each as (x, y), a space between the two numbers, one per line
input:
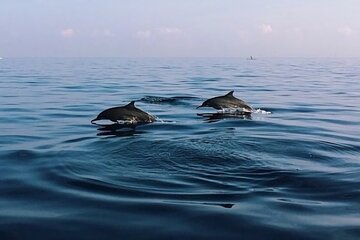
(167, 100)
(290, 169)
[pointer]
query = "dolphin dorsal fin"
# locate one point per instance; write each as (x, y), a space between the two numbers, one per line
(231, 93)
(131, 105)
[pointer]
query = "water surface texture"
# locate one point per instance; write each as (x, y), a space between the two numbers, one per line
(291, 174)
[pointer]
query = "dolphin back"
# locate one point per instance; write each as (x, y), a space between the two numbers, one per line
(127, 114)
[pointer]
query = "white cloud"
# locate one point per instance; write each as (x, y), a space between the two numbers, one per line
(143, 34)
(169, 30)
(346, 31)
(67, 32)
(102, 32)
(158, 32)
(266, 28)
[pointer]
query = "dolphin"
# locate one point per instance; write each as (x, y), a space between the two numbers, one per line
(128, 114)
(226, 101)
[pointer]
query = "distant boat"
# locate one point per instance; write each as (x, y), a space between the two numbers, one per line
(251, 58)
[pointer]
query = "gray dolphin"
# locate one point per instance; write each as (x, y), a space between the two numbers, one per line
(226, 101)
(125, 114)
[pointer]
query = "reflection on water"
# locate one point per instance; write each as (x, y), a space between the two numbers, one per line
(119, 130)
(288, 170)
(214, 117)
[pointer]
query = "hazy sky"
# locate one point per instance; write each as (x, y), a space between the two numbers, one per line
(179, 28)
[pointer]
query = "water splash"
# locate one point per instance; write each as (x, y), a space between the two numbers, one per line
(261, 111)
(237, 111)
(234, 111)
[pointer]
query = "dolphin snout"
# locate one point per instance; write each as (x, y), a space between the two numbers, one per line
(95, 119)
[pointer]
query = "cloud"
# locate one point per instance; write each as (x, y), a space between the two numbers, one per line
(143, 34)
(102, 33)
(169, 30)
(266, 28)
(158, 32)
(67, 32)
(346, 31)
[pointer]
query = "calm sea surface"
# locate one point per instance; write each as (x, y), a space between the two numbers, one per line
(290, 171)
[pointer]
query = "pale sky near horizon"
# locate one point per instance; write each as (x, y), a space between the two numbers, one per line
(174, 28)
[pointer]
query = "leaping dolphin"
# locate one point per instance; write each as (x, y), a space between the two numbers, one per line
(226, 101)
(128, 114)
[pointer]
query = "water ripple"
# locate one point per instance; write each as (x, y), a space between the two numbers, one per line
(290, 170)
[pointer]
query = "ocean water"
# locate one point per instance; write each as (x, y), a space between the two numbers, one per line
(290, 171)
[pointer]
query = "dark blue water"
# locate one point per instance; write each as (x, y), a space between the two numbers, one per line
(294, 173)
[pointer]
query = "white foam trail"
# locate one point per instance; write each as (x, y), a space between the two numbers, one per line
(260, 111)
(233, 110)
(164, 121)
(242, 111)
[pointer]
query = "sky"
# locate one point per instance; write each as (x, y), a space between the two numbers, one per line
(179, 28)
